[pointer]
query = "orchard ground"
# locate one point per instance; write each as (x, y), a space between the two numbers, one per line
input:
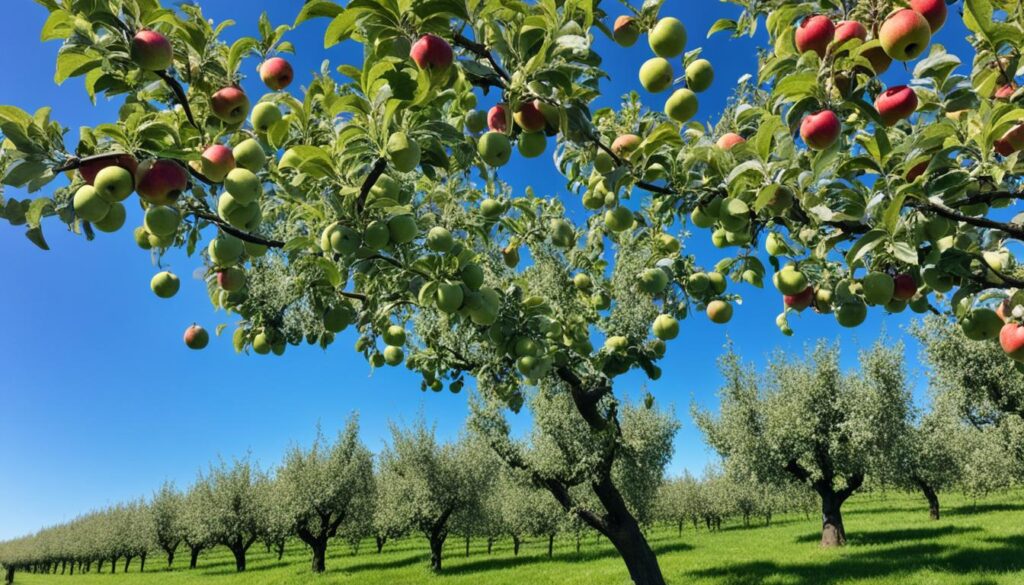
(891, 540)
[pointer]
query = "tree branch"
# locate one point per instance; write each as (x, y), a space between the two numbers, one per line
(982, 222)
(180, 96)
(482, 52)
(240, 234)
(586, 400)
(379, 166)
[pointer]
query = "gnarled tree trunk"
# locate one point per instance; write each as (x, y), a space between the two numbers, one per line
(9, 576)
(832, 531)
(436, 548)
(380, 543)
(194, 556)
(930, 495)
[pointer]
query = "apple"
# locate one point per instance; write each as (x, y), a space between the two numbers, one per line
(981, 324)
(89, 205)
(432, 53)
(669, 244)
(165, 284)
(225, 250)
(161, 220)
(849, 29)
(653, 281)
(668, 38)
(243, 185)
(880, 61)
(230, 105)
(562, 233)
(498, 118)
(403, 152)
(626, 144)
(904, 287)
(439, 239)
(141, 237)
(393, 356)
(114, 183)
(376, 235)
(934, 11)
(719, 311)
(1011, 338)
(402, 229)
(656, 75)
(529, 117)
(476, 121)
(681, 105)
(196, 337)
(729, 140)
(161, 181)
(801, 300)
(533, 144)
(472, 276)
(699, 75)
(790, 281)
(495, 149)
(625, 31)
(235, 213)
(734, 215)
(698, 283)
(491, 208)
(895, 104)
(823, 301)
(666, 327)
(249, 155)
(151, 50)
(1012, 141)
(276, 73)
(1005, 92)
(216, 161)
(265, 115)
(879, 288)
(88, 169)
(815, 33)
(851, 313)
(917, 170)
(231, 279)
(618, 219)
(449, 297)
(582, 282)
(113, 220)
(821, 130)
(905, 35)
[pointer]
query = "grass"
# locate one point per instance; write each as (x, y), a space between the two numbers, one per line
(891, 540)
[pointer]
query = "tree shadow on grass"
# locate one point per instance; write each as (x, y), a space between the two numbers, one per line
(875, 564)
(877, 537)
(494, 563)
(382, 564)
(969, 509)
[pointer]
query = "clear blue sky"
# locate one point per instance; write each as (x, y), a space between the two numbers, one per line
(100, 401)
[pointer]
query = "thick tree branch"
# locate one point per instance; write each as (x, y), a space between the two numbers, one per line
(853, 483)
(798, 471)
(379, 166)
(586, 400)
(982, 222)
(482, 52)
(240, 234)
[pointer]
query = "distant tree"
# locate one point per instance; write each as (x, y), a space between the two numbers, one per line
(278, 524)
(812, 422)
(676, 501)
(234, 502)
(325, 486)
(423, 483)
(197, 520)
(166, 508)
(476, 516)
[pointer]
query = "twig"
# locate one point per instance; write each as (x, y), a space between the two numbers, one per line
(240, 234)
(180, 96)
(379, 166)
(481, 51)
(944, 211)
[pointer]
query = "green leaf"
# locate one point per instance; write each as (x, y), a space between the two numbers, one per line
(722, 24)
(58, 26)
(865, 244)
(72, 64)
(317, 9)
(35, 235)
(239, 49)
(342, 27)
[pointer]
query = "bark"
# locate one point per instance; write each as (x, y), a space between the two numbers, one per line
(142, 563)
(127, 562)
(280, 550)
(239, 553)
(436, 546)
(467, 546)
(63, 567)
(381, 540)
(515, 545)
(170, 558)
(490, 545)
(99, 566)
(832, 531)
(72, 571)
(930, 495)
(579, 540)
(113, 565)
(9, 576)
(551, 545)
(680, 529)
(194, 556)
(319, 555)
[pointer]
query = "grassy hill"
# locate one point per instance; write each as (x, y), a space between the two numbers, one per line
(891, 541)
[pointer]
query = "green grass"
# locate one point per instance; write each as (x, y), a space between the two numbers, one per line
(891, 541)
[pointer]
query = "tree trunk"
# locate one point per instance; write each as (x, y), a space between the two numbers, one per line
(551, 545)
(930, 495)
(680, 529)
(239, 553)
(63, 567)
(832, 531)
(194, 556)
(99, 566)
(127, 562)
(624, 532)
(72, 572)
(768, 519)
(515, 545)
(170, 558)
(380, 543)
(436, 547)
(579, 540)
(9, 576)
(319, 547)
(142, 563)
(467, 546)
(113, 565)
(280, 550)
(490, 544)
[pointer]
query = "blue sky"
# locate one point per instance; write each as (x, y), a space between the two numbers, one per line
(100, 401)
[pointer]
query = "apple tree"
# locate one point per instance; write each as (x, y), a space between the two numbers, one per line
(806, 420)
(166, 507)
(231, 498)
(372, 199)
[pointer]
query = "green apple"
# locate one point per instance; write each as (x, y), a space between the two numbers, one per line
(261, 343)
(981, 324)
(449, 297)
(403, 152)
(394, 335)
(699, 75)
(265, 115)
(734, 215)
(114, 183)
(225, 250)
(393, 355)
(681, 105)
(582, 282)
(719, 311)
(666, 327)
(473, 276)
(476, 121)
(668, 38)
(249, 155)
(618, 219)
(243, 185)
(376, 235)
(113, 220)
(878, 288)
(491, 208)
(142, 238)
(790, 281)
(165, 284)
(656, 75)
(439, 239)
(337, 318)
(90, 205)
(562, 233)
(495, 149)
(161, 220)
(231, 279)
(402, 229)
(851, 313)
(532, 144)
(653, 281)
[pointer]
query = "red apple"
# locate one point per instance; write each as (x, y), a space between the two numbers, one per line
(216, 162)
(904, 287)
(230, 105)
(800, 301)
(895, 104)
(821, 130)
(196, 337)
(1005, 91)
(850, 29)
(1012, 141)
(880, 61)
(625, 31)
(905, 35)
(498, 119)
(276, 73)
(151, 50)
(625, 145)
(729, 140)
(161, 181)
(917, 170)
(529, 117)
(90, 168)
(934, 11)
(815, 33)
(432, 53)
(1011, 338)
